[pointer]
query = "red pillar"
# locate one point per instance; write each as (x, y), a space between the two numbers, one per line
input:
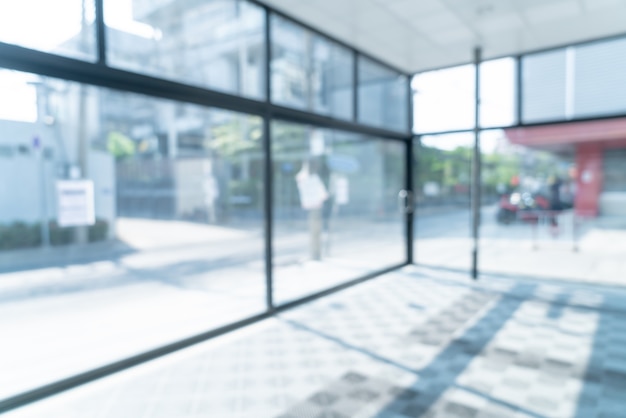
(588, 179)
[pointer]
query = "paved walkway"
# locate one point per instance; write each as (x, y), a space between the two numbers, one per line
(416, 343)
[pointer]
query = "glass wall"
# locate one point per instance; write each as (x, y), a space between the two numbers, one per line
(132, 222)
(60, 27)
(336, 212)
(309, 71)
(529, 225)
(544, 86)
(217, 44)
(382, 96)
(127, 223)
(442, 194)
(576, 82)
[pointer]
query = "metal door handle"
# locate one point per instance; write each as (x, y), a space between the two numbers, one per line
(405, 200)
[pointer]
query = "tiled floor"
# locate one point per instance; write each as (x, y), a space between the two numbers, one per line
(419, 342)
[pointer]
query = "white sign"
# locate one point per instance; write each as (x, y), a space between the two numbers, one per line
(342, 191)
(75, 203)
(312, 191)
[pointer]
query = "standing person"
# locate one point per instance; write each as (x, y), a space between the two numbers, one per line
(554, 184)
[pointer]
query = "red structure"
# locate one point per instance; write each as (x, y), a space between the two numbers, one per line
(589, 141)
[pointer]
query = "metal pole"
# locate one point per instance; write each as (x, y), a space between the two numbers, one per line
(100, 32)
(476, 186)
(355, 86)
(410, 202)
(267, 175)
(410, 170)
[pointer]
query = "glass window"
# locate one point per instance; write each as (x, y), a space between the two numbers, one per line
(575, 82)
(544, 86)
(60, 27)
(442, 195)
(382, 96)
(336, 214)
(309, 71)
(444, 100)
(498, 93)
(138, 222)
(600, 79)
(552, 210)
(217, 44)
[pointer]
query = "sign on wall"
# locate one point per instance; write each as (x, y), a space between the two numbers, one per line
(75, 203)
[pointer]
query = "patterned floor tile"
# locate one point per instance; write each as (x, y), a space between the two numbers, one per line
(416, 343)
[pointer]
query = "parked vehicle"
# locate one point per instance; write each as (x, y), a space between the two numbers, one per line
(523, 206)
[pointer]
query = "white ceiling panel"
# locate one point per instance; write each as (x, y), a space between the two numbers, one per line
(551, 12)
(414, 35)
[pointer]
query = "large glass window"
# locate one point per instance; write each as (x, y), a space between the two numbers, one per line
(309, 71)
(600, 79)
(444, 100)
(336, 213)
(575, 82)
(61, 27)
(442, 194)
(215, 43)
(383, 96)
(137, 222)
(545, 86)
(498, 94)
(552, 210)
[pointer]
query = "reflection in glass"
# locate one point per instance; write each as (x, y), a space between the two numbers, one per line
(442, 192)
(60, 27)
(382, 96)
(336, 214)
(309, 71)
(175, 243)
(217, 44)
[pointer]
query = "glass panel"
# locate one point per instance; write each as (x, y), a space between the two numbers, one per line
(215, 43)
(544, 86)
(575, 82)
(336, 213)
(498, 93)
(333, 78)
(444, 100)
(600, 79)
(309, 71)
(382, 96)
(442, 193)
(61, 27)
(138, 222)
(554, 202)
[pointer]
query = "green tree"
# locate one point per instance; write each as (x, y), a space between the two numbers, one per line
(119, 145)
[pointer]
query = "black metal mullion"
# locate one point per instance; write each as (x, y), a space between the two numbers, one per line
(101, 32)
(519, 89)
(70, 69)
(410, 187)
(476, 168)
(410, 215)
(267, 175)
(355, 86)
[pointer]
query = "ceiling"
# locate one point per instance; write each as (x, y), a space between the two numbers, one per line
(415, 35)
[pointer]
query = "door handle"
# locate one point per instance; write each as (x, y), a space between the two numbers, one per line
(405, 201)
